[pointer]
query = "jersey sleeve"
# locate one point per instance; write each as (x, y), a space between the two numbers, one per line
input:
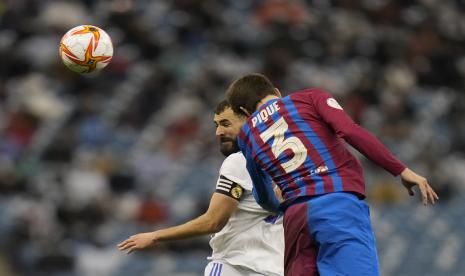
(361, 139)
(234, 178)
(262, 182)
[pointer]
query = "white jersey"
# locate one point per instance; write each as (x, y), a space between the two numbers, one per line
(247, 240)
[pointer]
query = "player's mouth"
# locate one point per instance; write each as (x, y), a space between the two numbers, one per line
(224, 140)
(228, 145)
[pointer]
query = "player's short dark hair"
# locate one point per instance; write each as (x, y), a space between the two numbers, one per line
(221, 107)
(247, 91)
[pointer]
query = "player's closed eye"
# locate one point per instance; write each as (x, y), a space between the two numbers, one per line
(225, 124)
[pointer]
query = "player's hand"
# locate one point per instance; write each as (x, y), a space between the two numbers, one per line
(410, 179)
(137, 242)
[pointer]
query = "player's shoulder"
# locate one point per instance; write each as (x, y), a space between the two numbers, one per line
(235, 157)
(234, 168)
(233, 161)
(309, 92)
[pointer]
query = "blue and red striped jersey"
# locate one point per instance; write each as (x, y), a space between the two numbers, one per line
(298, 141)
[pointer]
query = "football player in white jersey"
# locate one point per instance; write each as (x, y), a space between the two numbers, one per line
(248, 240)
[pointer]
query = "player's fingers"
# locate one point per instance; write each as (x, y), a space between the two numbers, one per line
(424, 194)
(123, 243)
(430, 198)
(128, 245)
(432, 195)
(132, 249)
(126, 242)
(410, 190)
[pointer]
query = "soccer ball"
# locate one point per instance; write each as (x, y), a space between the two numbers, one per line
(86, 48)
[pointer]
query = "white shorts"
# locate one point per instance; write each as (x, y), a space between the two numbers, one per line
(218, 268)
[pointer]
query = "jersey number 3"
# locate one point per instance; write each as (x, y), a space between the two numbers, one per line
(281, 144)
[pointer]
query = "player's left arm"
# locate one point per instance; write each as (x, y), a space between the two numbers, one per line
(366, 143)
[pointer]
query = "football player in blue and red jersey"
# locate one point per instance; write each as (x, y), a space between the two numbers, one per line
(297, 142)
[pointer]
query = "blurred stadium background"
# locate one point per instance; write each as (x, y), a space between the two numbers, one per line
(86, 161)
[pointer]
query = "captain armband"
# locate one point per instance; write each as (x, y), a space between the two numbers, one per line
(230, 188)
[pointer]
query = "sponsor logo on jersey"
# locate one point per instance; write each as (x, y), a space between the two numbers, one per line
(321, 169)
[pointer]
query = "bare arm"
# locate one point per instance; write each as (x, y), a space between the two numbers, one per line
(220, 210)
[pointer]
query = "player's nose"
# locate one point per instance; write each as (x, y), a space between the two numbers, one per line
(219, 131)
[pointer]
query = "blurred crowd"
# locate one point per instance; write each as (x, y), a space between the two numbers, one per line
(86, 160)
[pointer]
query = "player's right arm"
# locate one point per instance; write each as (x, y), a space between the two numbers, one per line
(366, 143)
(219, 211)
(224, 202)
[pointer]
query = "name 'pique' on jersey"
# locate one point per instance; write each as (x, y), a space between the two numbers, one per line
(293, 141)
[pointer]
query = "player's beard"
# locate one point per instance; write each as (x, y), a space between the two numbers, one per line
(228, 146)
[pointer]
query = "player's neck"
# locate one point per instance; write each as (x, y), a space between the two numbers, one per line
(265, 100)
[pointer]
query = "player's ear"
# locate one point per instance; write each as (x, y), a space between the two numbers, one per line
(246, 112)
(278, 93)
